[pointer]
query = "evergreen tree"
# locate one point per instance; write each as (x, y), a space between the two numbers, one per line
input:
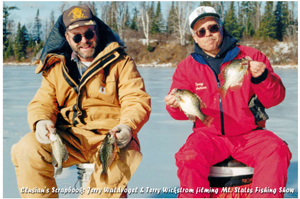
(37, 28)
(133, 24)
(21, 42)
(9, 51)
(247, 10)
(151, 14)
(171, 20)
(157, 23)
(127, 18)
(281, 19)
(25, 35)
(31, 43)
(267, 28)
(6, 13)
(231, 23)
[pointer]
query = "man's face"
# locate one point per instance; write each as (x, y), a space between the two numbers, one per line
(209, 42)
(86, 47)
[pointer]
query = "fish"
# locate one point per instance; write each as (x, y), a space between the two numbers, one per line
(108, 152)
(233, 74)
(59, 152)
(191, 105)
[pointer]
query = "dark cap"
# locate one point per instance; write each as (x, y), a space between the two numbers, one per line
(77, 16)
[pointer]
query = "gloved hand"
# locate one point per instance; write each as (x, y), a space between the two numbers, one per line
(123, 133)
(43, 127)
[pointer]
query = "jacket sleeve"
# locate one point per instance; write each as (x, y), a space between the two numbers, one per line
(44, 104)
(179, 81)
(134, 101)
(268, 87)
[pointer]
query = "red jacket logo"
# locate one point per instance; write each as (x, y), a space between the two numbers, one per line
(200, 86)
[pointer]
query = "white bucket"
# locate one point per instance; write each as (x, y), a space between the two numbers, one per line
(229, 174)
(84, 172)
(216, 171)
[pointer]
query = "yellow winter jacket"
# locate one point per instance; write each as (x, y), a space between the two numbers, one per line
(100, 101)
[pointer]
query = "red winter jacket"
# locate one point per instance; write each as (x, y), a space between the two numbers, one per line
(231, 114)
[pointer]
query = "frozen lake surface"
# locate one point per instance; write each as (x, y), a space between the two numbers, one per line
(160, 138)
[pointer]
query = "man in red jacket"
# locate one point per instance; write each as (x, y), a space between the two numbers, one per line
(234, 130)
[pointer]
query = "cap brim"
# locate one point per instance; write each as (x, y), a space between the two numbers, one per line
(204, 15)
(81, 23)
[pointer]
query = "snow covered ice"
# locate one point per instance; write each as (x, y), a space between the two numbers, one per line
(160, 138)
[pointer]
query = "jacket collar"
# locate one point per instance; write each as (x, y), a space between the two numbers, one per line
(231, 54)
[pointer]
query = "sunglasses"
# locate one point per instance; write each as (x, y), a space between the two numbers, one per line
(88, 35)
(213, 29)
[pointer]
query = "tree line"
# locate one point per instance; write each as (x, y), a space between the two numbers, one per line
(247, 19)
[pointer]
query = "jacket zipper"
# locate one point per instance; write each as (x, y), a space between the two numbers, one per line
(76, 110)
(221, 111)
(86, 76)
(220, 102)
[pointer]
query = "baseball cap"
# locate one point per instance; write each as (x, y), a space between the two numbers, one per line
(77, 16)
(201, 12)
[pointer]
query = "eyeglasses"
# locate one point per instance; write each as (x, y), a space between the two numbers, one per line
(88, 35)
(213, 29)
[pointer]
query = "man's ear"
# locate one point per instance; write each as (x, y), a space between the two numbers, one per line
(194, 37)
(67, 37)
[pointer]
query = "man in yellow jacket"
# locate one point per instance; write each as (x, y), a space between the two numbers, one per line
(90, 86)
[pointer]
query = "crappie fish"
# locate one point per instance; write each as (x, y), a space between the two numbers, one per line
(59, 152)
(190, 104)
(108, 152)
(233, 74)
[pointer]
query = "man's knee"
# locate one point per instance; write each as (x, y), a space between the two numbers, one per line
(276, 151)
(191, 158)
(283, 152)
(29, 150)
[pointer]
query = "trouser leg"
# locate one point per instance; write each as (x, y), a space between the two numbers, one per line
(33, 166)
(33, 163)
(195, 158)
(118, 174)
(270, 158)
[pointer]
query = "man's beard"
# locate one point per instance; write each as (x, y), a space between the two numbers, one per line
(85, 56)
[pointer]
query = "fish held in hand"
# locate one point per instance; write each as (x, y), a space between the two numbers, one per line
(108, 152)
(233, 74)
(190, 104)
(59, 152)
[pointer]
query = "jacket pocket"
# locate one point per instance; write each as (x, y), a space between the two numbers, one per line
(99, 89)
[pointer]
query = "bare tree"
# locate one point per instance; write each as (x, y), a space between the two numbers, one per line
(104, 11)
(52, 20)
(91, 5)
(292, 29)
(46, 29)
(292, 12)
(63, 5)
(120, 12)
(219, 6)
(182, 12)
(257, 15)
(144, 16)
